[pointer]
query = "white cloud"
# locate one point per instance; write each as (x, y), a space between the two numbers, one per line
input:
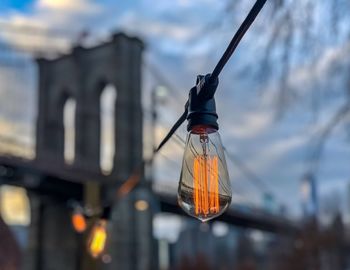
(67, 5)
(152, 28)
(251, 123)
(51, 25)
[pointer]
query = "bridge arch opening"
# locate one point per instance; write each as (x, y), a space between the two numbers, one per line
(69, 110)
(108, 100)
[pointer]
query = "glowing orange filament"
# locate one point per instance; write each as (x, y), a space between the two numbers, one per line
(206, 185)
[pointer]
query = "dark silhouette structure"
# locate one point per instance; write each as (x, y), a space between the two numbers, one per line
(82, 76)
(9, 250)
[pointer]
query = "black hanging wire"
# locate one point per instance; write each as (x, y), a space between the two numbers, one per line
(222, 62)
(173, 129)
(238, 37)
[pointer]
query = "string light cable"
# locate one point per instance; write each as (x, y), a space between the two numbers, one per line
(203, 85)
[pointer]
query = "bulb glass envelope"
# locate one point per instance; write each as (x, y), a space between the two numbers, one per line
(204, 189)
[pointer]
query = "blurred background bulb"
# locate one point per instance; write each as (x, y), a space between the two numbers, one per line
(98, 238)
(79, 221)
(204, 190)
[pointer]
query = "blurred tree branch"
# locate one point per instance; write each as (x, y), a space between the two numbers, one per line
(324, 134)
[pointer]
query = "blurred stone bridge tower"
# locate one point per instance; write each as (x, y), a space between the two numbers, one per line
(82, 76)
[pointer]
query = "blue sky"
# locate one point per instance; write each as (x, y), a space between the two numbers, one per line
(19, 5)
(181, 44)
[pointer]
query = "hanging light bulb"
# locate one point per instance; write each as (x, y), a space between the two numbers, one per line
(98, 236)
(97, 239)
(204, 189)
(79, 220)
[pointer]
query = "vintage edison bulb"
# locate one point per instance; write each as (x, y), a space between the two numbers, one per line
(79, 221)
(98, 238)
(204, 189)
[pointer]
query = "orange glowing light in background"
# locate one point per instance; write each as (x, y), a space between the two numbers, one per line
(206, 185)
(98, 239)
(79, 222)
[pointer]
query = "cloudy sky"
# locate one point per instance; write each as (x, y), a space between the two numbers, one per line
(185, 38)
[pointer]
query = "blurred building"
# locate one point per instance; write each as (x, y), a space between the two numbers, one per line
(198, 246)
(308, 189)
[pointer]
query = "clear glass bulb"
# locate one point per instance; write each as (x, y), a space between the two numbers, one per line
(98, 238)
(204, 189)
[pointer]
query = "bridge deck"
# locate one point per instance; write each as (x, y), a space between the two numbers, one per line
(67, 183)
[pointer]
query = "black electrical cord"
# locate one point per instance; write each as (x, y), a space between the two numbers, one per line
(222, 62)
(238, 37)
(173, 129)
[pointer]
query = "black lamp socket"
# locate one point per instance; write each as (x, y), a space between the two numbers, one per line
(202, 108)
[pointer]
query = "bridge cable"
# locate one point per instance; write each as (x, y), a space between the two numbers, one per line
(258, 182)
